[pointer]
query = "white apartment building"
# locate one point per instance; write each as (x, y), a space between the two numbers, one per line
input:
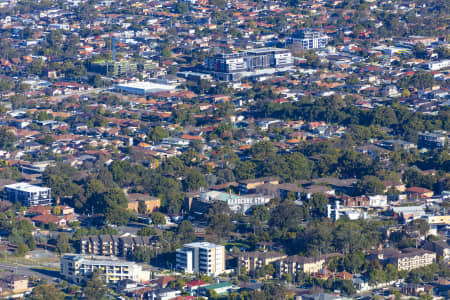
(201, 257)
(308, 39)
(439, 65)
(28, 194)
(76, 268)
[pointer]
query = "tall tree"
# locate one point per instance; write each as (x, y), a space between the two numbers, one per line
(286, 215)
(95, 288)
(46, 292)
(7, 139)
(62, 244)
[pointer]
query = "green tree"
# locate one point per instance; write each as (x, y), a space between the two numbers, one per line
(286, 215)
(158, 218)
(21, 250)
(370, 185)
(95, 288)
(146, 231)
(62, 244)
(157, 133)
(166, 52)
(317, 205)
(244, 170)
(113, 204)
(142, 208)
(299, 167)
(419, 50)
(46, 292)
(7, 139)
(178, 284)
(219, 220)
(260, 213)
(182, 7)
(186, 232)
(194, 180)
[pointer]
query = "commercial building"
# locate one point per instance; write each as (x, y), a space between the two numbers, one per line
(237, 203)
(202, 257)
(309, 39)
(29, 195)
(255, 62)
(76, 268)
(144, 87)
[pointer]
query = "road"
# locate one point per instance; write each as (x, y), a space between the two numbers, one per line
(35, 271)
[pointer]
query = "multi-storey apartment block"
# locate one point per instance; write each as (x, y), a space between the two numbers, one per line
(294, 264)
(76, 268)
(29, 195)
(234, 66)
(203, 257)
(431, 140)
(251, 261)
(114, 245)
(407, 260)
(308, 39)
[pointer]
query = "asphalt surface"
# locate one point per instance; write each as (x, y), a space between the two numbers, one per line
(34, 271)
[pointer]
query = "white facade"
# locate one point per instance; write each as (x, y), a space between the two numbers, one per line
(378, 201)
(202, 257)
(144, 87)
(310, 40)
(337, 211)
(28, 194)
(439, 65)
(237, 203)
(76, 268)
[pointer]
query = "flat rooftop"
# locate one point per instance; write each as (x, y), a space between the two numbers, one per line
(207, 245)
(97, 260)
(26, 187)
(145, 86)
(264, 50)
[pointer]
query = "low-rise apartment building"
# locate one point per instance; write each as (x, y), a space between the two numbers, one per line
(150, 203)
(27, 194)
(114, 245)
(251, 261)
(295, 264)
(407, 260)
(77, 268)
(13, 284)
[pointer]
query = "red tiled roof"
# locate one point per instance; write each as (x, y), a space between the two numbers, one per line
(195, 283)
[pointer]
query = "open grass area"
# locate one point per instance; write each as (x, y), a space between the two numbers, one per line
(10, 259)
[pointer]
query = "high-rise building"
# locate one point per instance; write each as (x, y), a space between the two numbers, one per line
(29, 195)
(202, 257)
